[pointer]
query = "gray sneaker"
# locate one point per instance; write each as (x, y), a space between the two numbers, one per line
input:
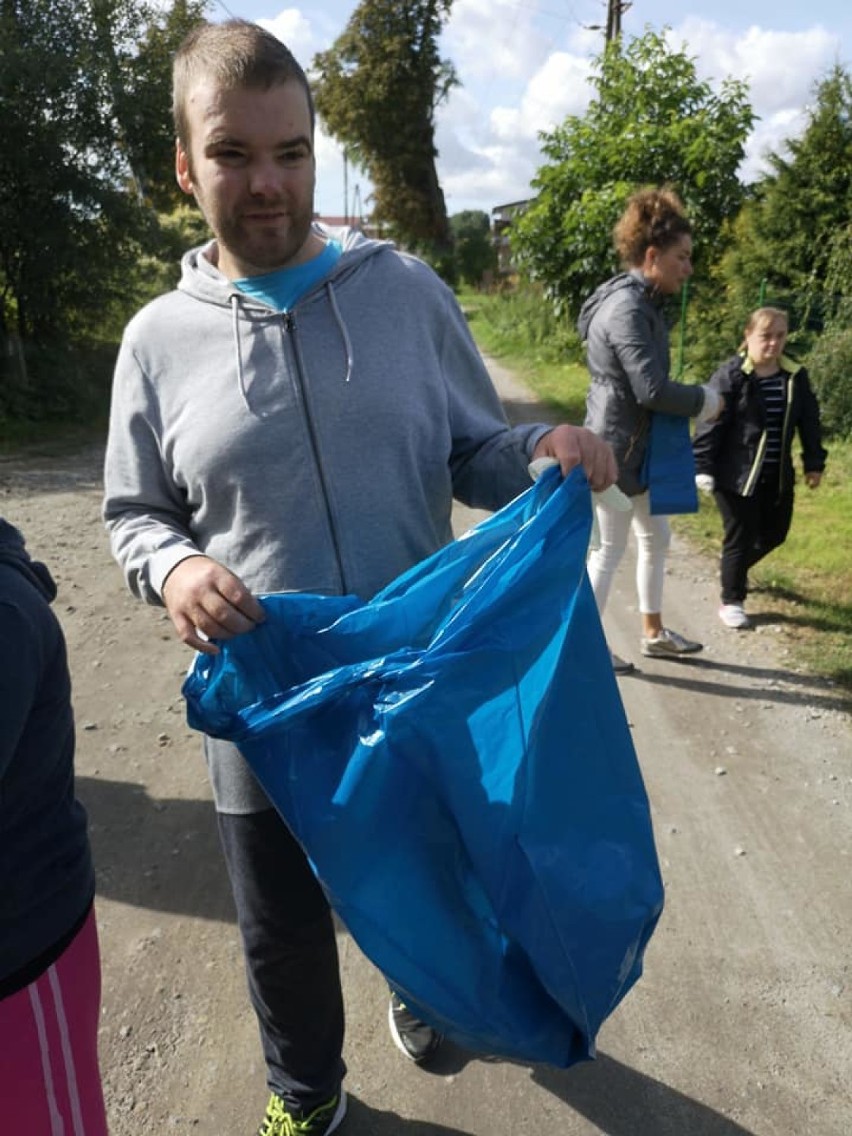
(669, 645)
(621, 666)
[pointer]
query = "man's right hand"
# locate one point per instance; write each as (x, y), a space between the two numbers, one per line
(202, 596)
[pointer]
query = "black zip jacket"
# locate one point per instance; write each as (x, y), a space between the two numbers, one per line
(47, 880)
(732, 448)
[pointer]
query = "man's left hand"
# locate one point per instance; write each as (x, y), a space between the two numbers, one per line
(575, 445)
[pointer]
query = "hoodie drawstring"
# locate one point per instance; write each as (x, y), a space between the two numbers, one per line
(235, 326)
(343, 330)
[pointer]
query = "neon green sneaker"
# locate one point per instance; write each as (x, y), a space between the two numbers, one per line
(280, 1121)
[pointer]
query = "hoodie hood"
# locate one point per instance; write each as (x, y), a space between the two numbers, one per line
(616, 284)
(201, 279)
(14, 553)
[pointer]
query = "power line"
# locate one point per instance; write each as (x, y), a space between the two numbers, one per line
(226, 9)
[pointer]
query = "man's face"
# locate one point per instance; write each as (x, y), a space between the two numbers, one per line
(250, 167)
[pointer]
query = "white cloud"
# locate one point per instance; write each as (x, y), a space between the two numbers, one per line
(489, 158)
(518, 80)
(781, 69)
(294, 30)
(771, 134)
(487, 152)
(494, 40)
(559, 88)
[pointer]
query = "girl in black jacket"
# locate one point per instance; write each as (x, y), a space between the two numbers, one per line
(745, 457)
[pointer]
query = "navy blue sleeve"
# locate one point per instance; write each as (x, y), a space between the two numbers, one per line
(20, 669)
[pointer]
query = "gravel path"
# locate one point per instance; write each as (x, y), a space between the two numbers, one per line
(742, 1023)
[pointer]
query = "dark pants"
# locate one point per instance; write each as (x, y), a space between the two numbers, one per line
(753, 526)
(291, 957)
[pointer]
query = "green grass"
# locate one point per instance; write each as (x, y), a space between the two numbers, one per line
(806, 585)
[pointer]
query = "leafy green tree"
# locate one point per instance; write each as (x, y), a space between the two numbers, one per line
(474, 245)
(651, 121)
(61, 177)
(801, 207)
(377, 89)
(830, 361)
(790, 247)
(137, 40)
(838, 276)
(72, 222)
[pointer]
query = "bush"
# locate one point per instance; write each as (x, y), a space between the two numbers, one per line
(59, 383)
(830, 367)
(527, 319)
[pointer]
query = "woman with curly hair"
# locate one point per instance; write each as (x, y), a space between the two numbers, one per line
(623, 324)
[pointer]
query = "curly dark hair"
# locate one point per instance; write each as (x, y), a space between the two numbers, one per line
(653, 218)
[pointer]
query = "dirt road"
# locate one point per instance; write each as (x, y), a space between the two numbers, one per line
(742, 1023)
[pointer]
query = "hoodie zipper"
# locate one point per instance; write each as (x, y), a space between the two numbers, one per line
(289, 321)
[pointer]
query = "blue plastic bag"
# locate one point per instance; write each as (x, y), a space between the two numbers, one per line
(455, 760)
(670, 466)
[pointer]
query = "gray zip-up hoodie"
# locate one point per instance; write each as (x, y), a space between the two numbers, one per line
(47, 881)
(316, 450)
(627, 353)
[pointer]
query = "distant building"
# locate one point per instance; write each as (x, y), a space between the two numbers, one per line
(361, 224)
(502, 217)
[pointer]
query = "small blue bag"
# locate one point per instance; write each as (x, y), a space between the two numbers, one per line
(454, 758)
(670, 466)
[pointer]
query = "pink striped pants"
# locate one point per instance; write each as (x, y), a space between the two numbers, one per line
(50, 1083)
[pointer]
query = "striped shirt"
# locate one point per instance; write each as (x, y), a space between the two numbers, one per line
(772, 394)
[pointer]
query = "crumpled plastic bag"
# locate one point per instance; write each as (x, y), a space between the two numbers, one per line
(454, 758)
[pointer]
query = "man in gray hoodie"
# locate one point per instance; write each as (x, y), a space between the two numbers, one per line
(297, 416)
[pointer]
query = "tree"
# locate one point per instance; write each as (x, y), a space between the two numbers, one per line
(789, 247)
(71, 227)
(137, 40)
(802, 207)
(474, 245)
(60, 176)
(377, 90)
(830, 361)
(652, 121)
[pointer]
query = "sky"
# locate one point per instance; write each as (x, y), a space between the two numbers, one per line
(524, 65)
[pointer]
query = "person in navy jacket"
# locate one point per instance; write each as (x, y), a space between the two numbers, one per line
(745, 457)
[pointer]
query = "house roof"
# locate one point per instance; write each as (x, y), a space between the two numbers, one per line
(336, 222)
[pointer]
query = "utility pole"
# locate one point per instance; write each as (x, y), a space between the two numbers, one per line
(614, 11)
(345, 187)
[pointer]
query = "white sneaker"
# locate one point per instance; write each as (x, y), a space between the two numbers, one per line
(734, 615)
(669, 645)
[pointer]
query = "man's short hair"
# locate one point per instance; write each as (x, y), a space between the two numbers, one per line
(236, 55)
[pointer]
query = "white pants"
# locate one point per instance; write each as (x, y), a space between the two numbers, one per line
(653, 536)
